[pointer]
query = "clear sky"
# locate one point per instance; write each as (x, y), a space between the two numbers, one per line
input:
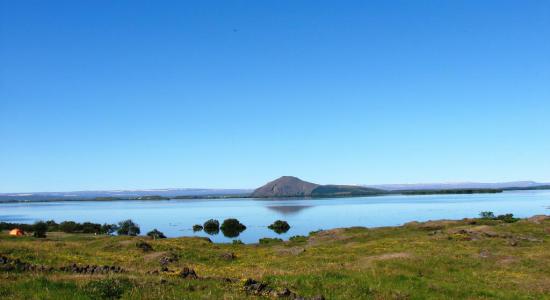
(231, 94)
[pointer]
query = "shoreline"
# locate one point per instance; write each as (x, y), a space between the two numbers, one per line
(217, 197)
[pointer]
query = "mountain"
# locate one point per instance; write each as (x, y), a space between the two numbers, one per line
(289, 186)
(286, 186)
(459, 185)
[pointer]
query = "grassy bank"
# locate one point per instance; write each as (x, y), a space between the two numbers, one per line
(473, 259)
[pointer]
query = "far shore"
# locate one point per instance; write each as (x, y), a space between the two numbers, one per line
(247, 196)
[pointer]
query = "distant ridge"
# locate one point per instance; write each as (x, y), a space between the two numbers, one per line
(289, 186)
(459, 185)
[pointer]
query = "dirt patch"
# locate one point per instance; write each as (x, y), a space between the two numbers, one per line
(126, 243)
(369, 260)
(506, 261)
(332, 235)
(437, 225)
(154, 256)
(290, 251)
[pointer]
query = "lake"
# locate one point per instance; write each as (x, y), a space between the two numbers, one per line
(176, 217)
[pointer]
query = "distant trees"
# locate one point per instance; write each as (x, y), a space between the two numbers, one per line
(128, 227)
(507, 218)
(197, 227)
(487, 215)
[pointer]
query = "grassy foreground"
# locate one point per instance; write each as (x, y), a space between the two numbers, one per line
(466, 259)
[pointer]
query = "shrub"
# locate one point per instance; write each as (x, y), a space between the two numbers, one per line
(238, 242)
(197, 227)
(128, 227)
(232, 228)
(212, 226)
(487, 215)
(40, 228)
(279, 226)
(145, 247)
(270, 240)
(508, 218)
(155, 234)
(108, 288)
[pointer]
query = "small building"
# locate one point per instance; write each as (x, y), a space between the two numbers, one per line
(17, 232)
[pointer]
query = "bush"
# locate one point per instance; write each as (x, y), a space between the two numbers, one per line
(155, 234)
(108, 288)
(238, 242)
(508, 218)
(197, 227)
(128, 227)
(212, 226)
(487, 215)
(145, 247)
(270, 240)
(232, 228)
(279, 226)
(40, 228)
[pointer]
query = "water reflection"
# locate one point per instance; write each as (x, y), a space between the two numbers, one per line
(288, 209)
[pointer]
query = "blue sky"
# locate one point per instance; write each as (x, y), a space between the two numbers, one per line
(231, 94)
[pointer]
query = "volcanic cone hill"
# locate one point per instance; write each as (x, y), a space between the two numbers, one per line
(289, 186)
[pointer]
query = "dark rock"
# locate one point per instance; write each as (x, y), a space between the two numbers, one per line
(165, 260)
(254, 287)
(188, 273)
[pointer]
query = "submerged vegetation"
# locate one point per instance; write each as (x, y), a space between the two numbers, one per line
(483, 258)
(279, 226)
(232, 228)
(211, 226)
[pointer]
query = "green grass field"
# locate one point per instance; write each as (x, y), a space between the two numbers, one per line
(467, 259)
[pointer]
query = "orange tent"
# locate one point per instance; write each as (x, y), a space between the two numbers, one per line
(16, 232)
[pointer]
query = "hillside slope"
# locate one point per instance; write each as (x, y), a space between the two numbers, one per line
(286, 186)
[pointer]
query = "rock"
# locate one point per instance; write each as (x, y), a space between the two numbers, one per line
(284, 293)
(188, 273)
(165, 260)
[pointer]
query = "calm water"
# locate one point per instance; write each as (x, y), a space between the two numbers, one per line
(176, 217)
